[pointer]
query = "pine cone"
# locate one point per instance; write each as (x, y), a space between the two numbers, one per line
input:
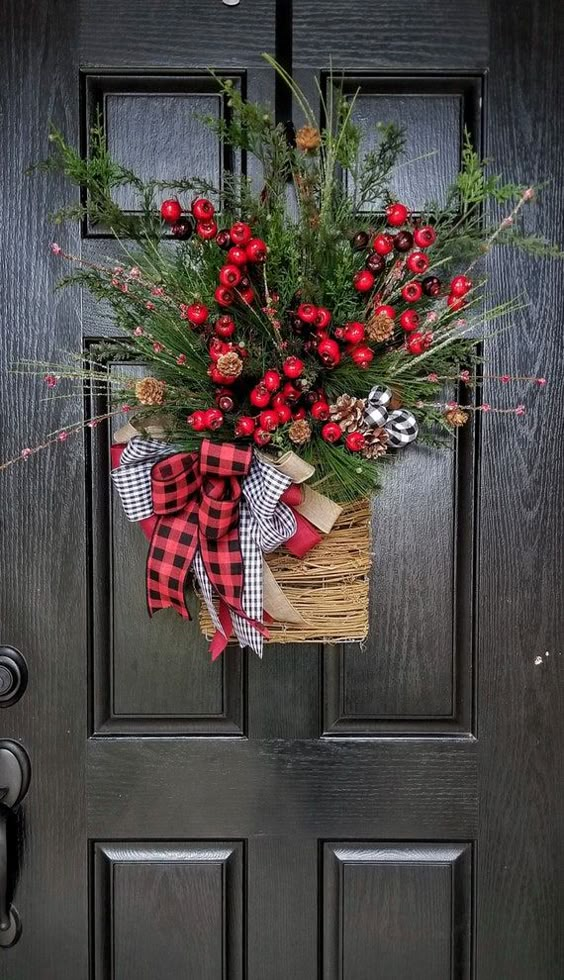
(150, 391)
(456, 417)
(299, 432)
(348, 411)
(229, 365)
(375, 443)
(379, 328)
(308, 139)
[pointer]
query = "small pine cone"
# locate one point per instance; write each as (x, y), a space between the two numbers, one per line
(379, 328)
(230, 365)
(150, 391)
(299, 432)
(456, 417)
(348, 411)
(308, 139)
(375, 443)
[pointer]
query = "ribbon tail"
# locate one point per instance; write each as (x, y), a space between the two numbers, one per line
(221, 636)
(167, 568)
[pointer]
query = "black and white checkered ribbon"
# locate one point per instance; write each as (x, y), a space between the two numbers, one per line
(265, 524)
(400, 425)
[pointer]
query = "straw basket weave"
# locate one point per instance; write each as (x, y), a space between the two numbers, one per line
(329, 587)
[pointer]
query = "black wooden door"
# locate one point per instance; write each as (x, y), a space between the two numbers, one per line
(349, 814)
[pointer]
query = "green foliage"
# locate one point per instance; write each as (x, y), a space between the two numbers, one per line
(312, 202)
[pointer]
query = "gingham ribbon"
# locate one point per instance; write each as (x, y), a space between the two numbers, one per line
(264, 524)
(400, 425)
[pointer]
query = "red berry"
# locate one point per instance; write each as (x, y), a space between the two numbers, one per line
(376, 263)
(269, 420)
(223, 238)
(230, 276)
(244, 426)
(306, 312)
(237, 256)
(383, 244)
(320, 411)
(409, 320)
(397, 214)
(224, 296)
(214, 419)
(284, 414)
(246, 295)
(425, 236)
(363, 281)
(202, 209)
(259, 396)
(362, 356)
(456, 302)
(261, 437)
(339, 333)
(329, 352)
(322, 318)
(217, 348)
(278, 400)
(224, 326)
(290, 393)
(300, 413)
(293, 367)
(197, 314)
(224, 400)
(182, 229)
(431, 286)
(240, 233)
(388, 310)
(460, 285)
(354, 332)
(355, 442)
(412, 292)
(220, 379)
(206, 230)
(171, 210)
(331, 432)
(418, 343)
(256, 250)
(197, 420)
(271, 380)
(418, 262)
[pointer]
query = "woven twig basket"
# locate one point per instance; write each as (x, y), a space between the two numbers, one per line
(329, 587)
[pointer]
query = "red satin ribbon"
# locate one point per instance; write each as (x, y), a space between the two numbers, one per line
(306, 536)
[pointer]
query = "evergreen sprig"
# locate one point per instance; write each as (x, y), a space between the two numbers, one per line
(313, 199)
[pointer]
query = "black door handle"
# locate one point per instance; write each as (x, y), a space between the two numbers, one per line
(15, 774)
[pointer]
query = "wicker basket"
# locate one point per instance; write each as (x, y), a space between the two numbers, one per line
(329, 587)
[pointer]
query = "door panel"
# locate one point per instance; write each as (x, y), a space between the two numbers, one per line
(385, 809)
(161, 906)
(372, 894)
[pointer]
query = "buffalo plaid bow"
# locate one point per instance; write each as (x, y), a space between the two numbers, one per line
(196, 499)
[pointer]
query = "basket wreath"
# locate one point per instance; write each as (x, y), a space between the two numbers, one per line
(297, 333)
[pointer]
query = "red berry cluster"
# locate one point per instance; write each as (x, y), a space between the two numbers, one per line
(412, 243)
(291, 389)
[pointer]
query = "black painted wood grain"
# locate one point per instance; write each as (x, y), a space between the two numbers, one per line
(289, 777)
(415, 34)
(318, 788)
(373, 894)
(521, 559)
(42, 583)
(168, 910)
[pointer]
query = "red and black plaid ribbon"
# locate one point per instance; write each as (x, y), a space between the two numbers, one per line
(196, 500)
